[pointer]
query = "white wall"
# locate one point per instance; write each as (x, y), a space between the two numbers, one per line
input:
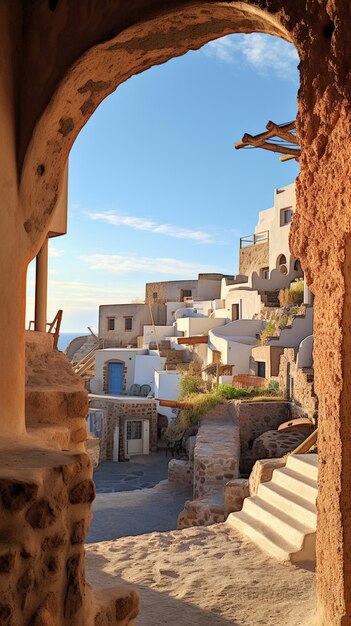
(145, 368)
(162, 332)
(235, 341)
(171, 308)
(305, 353)
(191, 326)
(279, 235)
(126, 355)
(249, 301)
(166, 388)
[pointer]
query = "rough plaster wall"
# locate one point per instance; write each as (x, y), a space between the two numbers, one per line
(253, 258)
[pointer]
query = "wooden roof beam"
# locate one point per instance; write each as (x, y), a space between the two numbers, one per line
(192, 340)
(283, 132)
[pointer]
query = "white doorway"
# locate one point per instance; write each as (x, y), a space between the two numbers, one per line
(137, 437)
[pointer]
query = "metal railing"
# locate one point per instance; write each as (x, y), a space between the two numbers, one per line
(252, 240)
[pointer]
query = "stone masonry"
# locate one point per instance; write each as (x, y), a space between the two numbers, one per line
(216, 461)
(45, 512)
(304, 396)
(253, 258)
(116, 412)
(255, 419)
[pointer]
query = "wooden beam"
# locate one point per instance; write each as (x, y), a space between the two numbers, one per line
(282, 149)
(192, 340)
(283, 132)
(288, 157)
(177, 404)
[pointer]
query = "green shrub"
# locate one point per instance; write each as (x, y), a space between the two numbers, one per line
(190, 384)
(292, 295)
(273, 386)
(297, 291)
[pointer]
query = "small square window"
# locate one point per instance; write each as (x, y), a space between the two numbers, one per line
(286, 216)
(110, 323)
(128, 323)
(185, 293)
(264, 272)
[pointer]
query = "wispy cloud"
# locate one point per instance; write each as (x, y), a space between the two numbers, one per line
(140, 223)
(123, 264)
(266, 54)
(54, 252)
(77, 296)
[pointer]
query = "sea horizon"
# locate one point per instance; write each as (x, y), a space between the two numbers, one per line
(66, 338)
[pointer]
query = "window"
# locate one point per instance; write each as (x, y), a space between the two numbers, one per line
(261, 369)
(281, 260)
(110, 323)
(134, 430)
(154, 295)
(185, 293)
(128, 323)
(286, 216)
(264, 272)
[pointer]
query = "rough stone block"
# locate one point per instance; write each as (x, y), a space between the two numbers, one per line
(262, 473)
(235, 491)
(181, 472)
(274, 444)
(83, 493)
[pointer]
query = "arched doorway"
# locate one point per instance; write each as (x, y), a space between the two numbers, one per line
(86, 72)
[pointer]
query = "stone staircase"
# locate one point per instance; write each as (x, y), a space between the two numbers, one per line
(281, 518)
(270, 298)
(173, 357)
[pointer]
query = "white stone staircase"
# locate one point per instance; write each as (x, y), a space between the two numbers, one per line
(281, 518)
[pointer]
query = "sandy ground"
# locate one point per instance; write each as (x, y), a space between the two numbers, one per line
(204, 577)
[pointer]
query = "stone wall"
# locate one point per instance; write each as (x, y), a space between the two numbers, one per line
(216, 461)
(181, 472)
(253, 258)
(217, 450)
(115, 413)
(255, 419)
(305, 402)
(45, 512)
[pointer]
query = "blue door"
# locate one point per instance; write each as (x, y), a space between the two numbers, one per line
(115, 378)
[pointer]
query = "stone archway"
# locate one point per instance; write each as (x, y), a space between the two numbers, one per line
(65, 71)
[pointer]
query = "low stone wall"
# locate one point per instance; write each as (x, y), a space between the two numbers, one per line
(181, 472)
(217, 450)
(216, 461)
(45, 511)
(256, 418)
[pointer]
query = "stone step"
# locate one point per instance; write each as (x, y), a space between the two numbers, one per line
(59, 436)
(282, 517)
(296, 483)
(305, 464)
(285, 525)
(268, 540)
(292, 504)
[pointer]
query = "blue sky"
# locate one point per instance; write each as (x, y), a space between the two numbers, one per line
(156, 189)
